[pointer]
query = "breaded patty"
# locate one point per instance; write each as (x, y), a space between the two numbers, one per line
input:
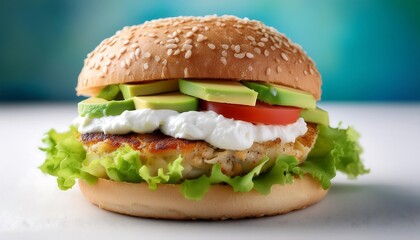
(157, 149)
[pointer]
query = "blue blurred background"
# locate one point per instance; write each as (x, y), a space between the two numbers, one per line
(366, 50)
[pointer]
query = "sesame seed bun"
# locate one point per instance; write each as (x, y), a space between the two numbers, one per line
(219, 203)
(208, 47)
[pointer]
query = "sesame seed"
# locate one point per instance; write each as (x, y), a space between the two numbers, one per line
(101, 57)
(113, 42)
(264, 39)
(111, 56)
(189, 34)
(194, 29)
(176, 40)
(261, 44)
(157, 41)
(185, 72)
(201, 38)
(125, 42)
(188, 54)
(137, 52)
(127, 62)
(257, 50)
(300, 60)
(305, 72)
(251, 38)
(187, 47)
(171, 45)
(276, 45)
(146, 66)
(177, 52)
(249, 55)
(123, 50)
(211, 46)
(225, 46)
(277, 60)
(171, 40)
(157, 58)
(105, 70)
(268, 71)
(266, 53)
(107, 62)
(239, 55)
(273, 48)
(169, 52)
(250, 68)
(188, 41)
(223, 60)
(147, 55)
(278, 69)
(118, 56)
(174, 34)
(237, 48)
(284, 56)
(206, 28)
(311, 71)
(97, 66)
(164, 62)
(133, 46)
(224, 53)
(122, 64)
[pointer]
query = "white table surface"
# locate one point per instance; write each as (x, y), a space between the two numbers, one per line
(385, 203)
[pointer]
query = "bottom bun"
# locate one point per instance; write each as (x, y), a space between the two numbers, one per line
(220, 202)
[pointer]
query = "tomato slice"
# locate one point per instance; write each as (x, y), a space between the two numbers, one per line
(261, 113)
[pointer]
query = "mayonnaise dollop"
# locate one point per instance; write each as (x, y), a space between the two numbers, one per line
(208, 126)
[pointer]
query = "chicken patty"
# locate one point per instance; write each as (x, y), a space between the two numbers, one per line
(157, 150)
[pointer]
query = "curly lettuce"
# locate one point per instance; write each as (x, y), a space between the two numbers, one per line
(335, 149)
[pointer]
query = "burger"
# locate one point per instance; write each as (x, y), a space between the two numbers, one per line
(200, 118)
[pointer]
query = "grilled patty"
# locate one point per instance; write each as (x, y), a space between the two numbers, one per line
(157, 149)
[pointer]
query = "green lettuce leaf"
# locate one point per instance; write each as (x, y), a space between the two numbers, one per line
(335, 149)
(282, 172)
(196, 188)
(173, 175)
(64, 158)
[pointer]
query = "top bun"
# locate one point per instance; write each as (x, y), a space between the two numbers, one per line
(208, 47)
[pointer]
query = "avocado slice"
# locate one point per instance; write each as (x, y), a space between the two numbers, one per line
(109, 92)
(174, 101)
(219, 91)
(316, 115)
(280, 95)
(99, 107)
(143, 89)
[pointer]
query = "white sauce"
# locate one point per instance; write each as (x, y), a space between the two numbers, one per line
(208, 126)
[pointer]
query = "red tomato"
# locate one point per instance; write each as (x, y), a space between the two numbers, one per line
(260, 113)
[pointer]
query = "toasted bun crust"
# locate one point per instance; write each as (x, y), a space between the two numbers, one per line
(208, 47)
(220, 202)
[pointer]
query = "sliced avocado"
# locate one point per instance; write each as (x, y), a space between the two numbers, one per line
(219, 91)
(280, 95)
(316, 115)
(109, 92)
(143, 89)
(174, 101)
(99, 107)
